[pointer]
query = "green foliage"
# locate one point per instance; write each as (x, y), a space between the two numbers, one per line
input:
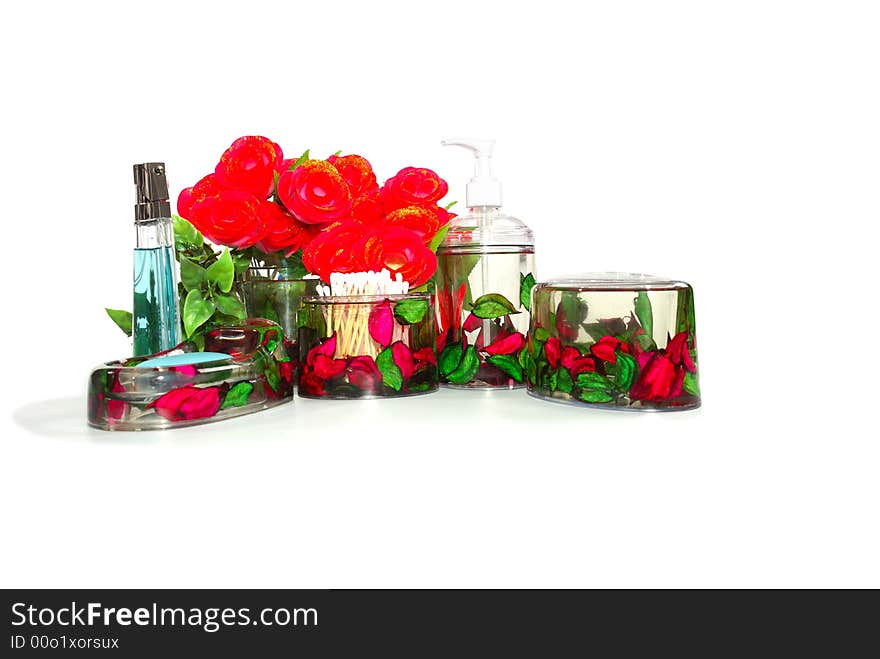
(466, 369)
(196, 311)
(121, 318)
(237, 396)
(508, 364)
(410, 312)
(222, 272)
(391, 375)
(526, 283)
(493, 305)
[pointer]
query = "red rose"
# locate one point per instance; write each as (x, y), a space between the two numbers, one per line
(414, 186)
(230, 218)
(425, 221)
(328, 368)
(553, 350)
(310, 384)
(188, 403)
(656, 380)
(425, 356)
(364, 374)
(508, 345)
(356, 172)
(283, 231)
(606, 349)
(315, 192)
(337, 249)
(249, 165)
(368, 208)
(400, 251)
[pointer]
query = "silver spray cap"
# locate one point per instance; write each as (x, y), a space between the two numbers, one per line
(152, 192)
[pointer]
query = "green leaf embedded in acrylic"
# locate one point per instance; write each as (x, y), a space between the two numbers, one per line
(624, 371)
(299, 161)
(526, 283)
(467, 369)
(573, 308)
(410, 312)
(523, 358)
(269, 312)
(644, 312)
(691, 385)
(185, 233)
(450, 358)
(121, 318)
(564, 383)
(237, 395)
(438, 238)
(595, 396)
(196, 311)
(541, 334)
(552, 380)
(591, 380)
(595, 330)
(230, 305)
(507, 364)
(391, 375)
(493, 305)
(222, 271)
(192, 276)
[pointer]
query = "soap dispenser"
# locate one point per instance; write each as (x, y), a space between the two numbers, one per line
(155, 317)
(485, 273)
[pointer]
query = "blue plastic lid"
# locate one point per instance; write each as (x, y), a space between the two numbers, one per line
(184, 359)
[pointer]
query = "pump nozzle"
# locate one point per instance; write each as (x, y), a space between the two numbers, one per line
(483, 189)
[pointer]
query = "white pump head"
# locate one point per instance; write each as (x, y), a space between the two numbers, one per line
(483, 189)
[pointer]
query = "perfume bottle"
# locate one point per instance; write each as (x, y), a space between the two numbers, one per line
(155, 316)
(485, 273)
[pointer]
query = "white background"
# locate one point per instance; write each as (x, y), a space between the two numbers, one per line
(733, 145)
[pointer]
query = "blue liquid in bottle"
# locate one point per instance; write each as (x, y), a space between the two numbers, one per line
(155, 322)
(155, 316)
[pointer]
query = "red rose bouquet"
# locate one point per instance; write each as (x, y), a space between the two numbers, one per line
(305, 216)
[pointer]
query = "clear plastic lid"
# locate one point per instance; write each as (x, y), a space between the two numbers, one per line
(614, 281)
(488, 227)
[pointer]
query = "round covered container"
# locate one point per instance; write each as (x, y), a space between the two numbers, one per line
(367, 346)
(613, 340)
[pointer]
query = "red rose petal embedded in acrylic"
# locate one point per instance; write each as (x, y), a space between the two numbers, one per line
(511, 344)
(381, 323)
(403, 358)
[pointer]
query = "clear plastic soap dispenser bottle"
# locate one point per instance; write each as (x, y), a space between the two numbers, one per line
(485, 273)
(155, 316)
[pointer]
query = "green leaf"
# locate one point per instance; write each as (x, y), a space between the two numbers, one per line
(450, 205)
(121, 318)
(526, 282)
(467, 369)
(644, 312)
(237, 396)
(595, 330)
(269, 312)
(391, 375)
(185, 233)
(590, 380)
(564, 382)
(493, 305)
(241, 261)
(230, 305)
(691, 384)
(438, 238)
(450, 358)
(573, 308)
(196, 311)
(222, 271)
(192, 276)
(552, 380)
(624, 371)
(299, 161)
(507, 364)
(541, 334)
(410, 312)
(595, 396)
